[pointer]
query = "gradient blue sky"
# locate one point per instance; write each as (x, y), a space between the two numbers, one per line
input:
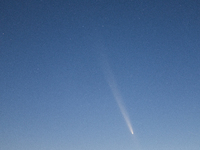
(54, 94)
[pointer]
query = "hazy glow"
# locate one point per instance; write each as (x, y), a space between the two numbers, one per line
(116, 93)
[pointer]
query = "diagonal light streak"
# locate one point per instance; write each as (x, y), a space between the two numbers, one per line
(116, 93)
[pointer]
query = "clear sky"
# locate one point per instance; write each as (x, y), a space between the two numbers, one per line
(78, 74)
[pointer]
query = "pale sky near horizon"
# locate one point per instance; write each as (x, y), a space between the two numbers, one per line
(55, 95)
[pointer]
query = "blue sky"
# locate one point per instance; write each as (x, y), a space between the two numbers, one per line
(56, 94)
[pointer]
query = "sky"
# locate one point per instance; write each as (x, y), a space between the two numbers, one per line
(98, 74)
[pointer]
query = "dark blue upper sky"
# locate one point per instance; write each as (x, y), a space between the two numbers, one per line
(54, 93)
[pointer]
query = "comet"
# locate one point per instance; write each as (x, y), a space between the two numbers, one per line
(116, 93)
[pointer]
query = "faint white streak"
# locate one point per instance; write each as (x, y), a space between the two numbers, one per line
(116, 93)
